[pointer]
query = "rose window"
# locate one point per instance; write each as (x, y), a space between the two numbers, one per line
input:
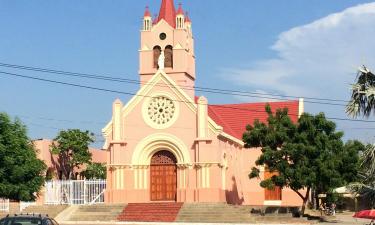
(161, 110)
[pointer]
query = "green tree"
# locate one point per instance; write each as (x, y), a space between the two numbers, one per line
(307, 155)
(366, 184)
(21, 172)
(95, 171)
(363, 94)
(72, 147)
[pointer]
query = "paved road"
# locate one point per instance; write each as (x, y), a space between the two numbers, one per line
(347, 219)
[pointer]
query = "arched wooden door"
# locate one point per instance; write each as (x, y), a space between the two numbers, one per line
(163, 177)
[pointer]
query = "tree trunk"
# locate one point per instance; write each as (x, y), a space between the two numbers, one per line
(304, 206)
(305, 200)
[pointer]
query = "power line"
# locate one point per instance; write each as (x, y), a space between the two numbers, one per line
(146, 96)
(201, 89)
(59, 129)
(61, 120)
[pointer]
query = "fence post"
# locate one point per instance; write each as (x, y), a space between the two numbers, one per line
(84, 192)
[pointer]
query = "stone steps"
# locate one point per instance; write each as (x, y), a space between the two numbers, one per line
(214, 213)
(102, 212)
(50, 210)
(14, 207)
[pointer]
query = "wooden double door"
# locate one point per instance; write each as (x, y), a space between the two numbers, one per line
(163, 177)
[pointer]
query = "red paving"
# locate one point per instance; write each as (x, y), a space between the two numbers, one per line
(150, 212)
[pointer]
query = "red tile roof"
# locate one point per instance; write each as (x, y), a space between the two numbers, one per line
(187, 18)
(168, 12)
(235, 117)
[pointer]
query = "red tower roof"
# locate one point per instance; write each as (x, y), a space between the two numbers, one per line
(187, 18)
(168, 12)
(180, 11)
(147, 12)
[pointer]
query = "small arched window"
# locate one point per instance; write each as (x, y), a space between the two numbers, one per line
(168, 63)
(157, 52)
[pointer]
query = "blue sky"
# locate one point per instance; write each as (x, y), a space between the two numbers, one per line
(301, 48)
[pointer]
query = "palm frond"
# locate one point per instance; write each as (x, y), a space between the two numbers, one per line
(363, 94)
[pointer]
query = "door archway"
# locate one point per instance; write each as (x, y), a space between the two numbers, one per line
(163, 176)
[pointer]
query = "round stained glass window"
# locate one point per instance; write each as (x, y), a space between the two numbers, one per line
(161, 110)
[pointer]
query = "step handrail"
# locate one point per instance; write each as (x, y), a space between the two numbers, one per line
(97, 197)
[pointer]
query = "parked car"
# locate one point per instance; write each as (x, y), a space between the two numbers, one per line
(28, 219)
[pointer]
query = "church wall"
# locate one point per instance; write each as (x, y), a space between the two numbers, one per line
(253, 193)
(135, 178)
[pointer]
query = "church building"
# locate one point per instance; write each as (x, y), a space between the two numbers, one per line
(167, 144)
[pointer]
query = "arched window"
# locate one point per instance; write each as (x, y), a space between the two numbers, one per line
(168, 52)
(157, 52)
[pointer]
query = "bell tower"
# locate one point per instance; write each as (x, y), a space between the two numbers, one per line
(168, 36)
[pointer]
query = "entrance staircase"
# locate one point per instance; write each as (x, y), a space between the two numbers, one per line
(214, 213)
(100, 212)
(150, 212)
(14, 207)
(50, 210)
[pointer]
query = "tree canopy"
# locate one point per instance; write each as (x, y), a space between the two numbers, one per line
(95, 171)
(72, 147)
(21, 172)
(308, 154)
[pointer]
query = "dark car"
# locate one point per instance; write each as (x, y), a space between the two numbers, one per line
(28, 220)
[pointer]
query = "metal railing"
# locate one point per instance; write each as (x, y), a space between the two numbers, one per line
(75, 192)
(24, 205)
(4, 205)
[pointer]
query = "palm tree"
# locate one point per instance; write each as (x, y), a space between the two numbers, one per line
(366, 185)
(363, 94)
(363, 103)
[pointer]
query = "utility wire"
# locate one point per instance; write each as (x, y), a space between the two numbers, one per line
(201, 89)
(146, 96)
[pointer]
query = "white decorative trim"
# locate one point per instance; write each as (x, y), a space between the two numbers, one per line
(301, 107)
(145, 48)
(230, 137)
(150, 145)
(272, 203)
(178, 46)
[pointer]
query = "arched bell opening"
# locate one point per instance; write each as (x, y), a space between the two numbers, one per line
(157, 53)
(168, 52)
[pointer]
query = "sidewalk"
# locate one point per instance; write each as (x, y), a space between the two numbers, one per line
(347, 219)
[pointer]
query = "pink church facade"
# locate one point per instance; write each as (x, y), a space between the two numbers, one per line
(166, 144)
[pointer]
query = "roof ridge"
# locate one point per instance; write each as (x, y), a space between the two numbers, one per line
(253, 103)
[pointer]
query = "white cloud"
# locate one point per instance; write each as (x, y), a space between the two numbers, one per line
(318, 59)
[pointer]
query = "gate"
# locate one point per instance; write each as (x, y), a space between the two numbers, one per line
(4, 205)
(75, 192)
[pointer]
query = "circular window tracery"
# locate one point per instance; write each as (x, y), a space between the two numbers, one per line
(161, 110)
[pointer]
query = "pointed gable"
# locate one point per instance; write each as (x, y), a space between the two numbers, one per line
(168, 12)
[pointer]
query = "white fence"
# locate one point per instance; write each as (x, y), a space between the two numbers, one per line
(4, 205)
(75, 192)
